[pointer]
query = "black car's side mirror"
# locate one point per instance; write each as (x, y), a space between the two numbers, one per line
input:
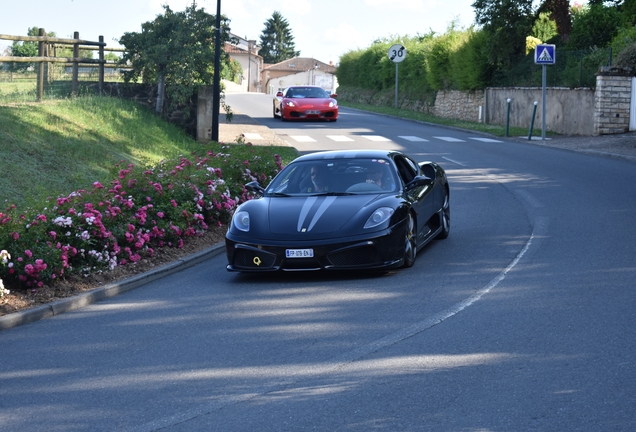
(255, 187)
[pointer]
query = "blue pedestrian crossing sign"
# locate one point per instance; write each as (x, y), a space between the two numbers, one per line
(545, 54)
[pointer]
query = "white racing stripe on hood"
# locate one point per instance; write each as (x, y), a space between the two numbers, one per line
(309, 203)
(303, 212)
(323, 207)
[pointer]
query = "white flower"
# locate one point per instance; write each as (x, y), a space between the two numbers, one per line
(63, 221)
(5, 256)
(2, 290)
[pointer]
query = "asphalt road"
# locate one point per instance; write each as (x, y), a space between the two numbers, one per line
(523, 319)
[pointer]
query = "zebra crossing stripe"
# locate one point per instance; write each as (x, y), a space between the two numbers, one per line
(302, 138)
(449, 139)
(253, 136)
(490, 140)
(339, 138)
(412, 138)
(376, 138)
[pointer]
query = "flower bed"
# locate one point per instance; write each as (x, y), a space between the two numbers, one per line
(140, 210)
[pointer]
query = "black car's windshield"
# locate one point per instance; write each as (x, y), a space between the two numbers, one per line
(306, 92)
(335, 178)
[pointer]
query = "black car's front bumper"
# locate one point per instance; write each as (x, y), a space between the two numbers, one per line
(384, 250)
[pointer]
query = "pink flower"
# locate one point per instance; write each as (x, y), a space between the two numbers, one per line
(28, 253)
(98, 185)
(160, 215)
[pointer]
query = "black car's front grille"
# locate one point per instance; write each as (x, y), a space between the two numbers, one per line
(359, 256)
(253, 259)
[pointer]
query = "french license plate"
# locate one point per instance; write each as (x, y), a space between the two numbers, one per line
(299, 253)
(312, 112)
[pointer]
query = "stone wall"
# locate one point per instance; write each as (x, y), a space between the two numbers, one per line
(460, 105)
(612, 101)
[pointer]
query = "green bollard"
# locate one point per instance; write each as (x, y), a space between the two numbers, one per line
(507, 116)
(534, 112)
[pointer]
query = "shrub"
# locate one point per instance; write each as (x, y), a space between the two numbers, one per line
(627, 57)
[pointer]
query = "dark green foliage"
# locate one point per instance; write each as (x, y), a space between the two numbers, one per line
(177, 46)
(507, 23)
(594, 27)
(469, 67)
(628, 12)
(544, 28)
(438, 60)
(277, 42)
(627, 57)
(559, 13)
(232, 71)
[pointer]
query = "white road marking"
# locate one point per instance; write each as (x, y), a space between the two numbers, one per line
(376, 138)
(453, 161)
(485, 140)
(253, 136)
(339, 138)
(302, 138)
(449, 139)
(413, 138)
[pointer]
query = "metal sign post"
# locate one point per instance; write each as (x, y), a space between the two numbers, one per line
(397, 53)
(544, 54)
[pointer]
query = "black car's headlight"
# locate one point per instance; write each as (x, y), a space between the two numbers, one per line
(379, 217)
(241, 220)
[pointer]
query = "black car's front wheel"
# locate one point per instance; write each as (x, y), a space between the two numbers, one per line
(410, 241)
(444, 215)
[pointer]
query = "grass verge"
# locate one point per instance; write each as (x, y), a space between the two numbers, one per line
(492, 129)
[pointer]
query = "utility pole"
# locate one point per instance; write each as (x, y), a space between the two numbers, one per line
(216, 101)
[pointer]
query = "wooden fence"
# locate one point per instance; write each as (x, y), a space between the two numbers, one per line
(46, 47)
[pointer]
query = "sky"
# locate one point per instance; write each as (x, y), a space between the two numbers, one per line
(322, 29)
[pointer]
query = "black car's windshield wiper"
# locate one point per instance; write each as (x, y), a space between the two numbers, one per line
(278, 194)
(333, 194)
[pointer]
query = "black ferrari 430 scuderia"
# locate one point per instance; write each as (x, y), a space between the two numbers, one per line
(341, 210)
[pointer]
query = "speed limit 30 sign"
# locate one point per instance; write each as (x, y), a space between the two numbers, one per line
(397, 53)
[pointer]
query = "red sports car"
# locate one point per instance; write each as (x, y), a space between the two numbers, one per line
(305, 102)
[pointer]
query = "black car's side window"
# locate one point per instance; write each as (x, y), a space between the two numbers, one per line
(406, 169)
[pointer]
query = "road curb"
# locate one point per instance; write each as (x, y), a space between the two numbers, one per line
(79, 301)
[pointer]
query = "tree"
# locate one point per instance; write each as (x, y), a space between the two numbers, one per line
(594, 26)
(26, 49)
(560, 13)
(507, 23)
(544, 28)
(277, 42)
(175, 51)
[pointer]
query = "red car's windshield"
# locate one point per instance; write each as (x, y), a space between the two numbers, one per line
(306, 92)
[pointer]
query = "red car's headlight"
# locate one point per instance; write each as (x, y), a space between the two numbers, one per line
(333, 104)
(290, 103)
